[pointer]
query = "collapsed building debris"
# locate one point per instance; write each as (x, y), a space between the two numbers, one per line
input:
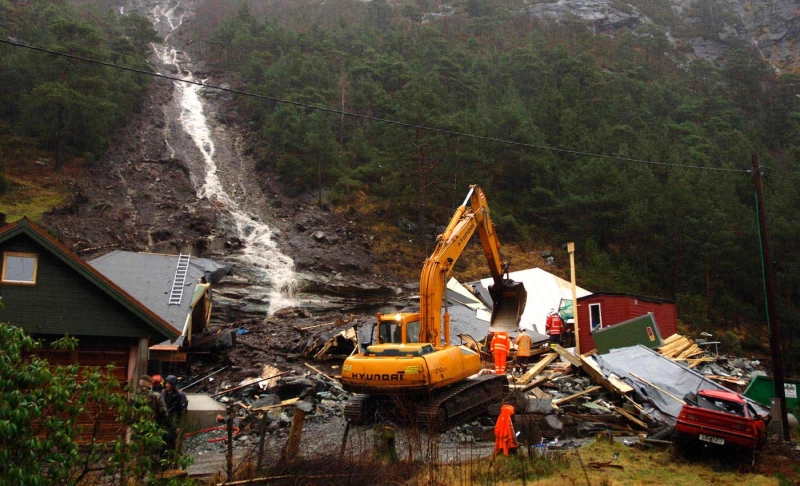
(330, 340)
(561, 398)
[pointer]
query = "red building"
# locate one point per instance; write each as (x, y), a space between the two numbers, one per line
(600, 310)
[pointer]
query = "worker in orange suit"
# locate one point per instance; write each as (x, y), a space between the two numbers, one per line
(504, 437)
(500, 346)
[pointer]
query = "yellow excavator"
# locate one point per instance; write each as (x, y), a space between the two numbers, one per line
(411, 363)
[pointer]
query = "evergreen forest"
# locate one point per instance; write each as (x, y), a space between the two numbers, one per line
(617, 140)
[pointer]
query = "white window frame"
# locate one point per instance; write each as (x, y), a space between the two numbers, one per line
(23, 260)
(599, 323)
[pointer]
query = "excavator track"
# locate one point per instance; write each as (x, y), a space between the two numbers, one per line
(438, 411)
(355, 410)
(461, 402)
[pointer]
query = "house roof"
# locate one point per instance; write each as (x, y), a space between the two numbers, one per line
(545, 292)
(149, 278)
(25, 226)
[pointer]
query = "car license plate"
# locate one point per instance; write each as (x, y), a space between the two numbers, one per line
(713, 440)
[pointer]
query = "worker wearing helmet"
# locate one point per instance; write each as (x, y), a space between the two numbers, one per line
(153, 399)
(158, 383)
(554, 327)
(523, 343)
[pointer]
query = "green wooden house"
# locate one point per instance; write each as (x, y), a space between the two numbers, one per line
(49, 291)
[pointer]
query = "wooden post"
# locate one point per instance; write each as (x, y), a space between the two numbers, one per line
(261, 439)
(295, 434)
(231, 415)
(385, 450)
(571, 250)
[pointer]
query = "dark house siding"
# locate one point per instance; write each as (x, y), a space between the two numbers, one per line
(68, 296)
(63, 302)
(616, 308)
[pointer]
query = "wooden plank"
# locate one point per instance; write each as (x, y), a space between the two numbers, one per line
(168, 356)
(284, 403)
(614, 386)
(630, 417)
(659, 389)
(538, 381)
(537, 368)
(320, 372)
(576, 361)
(576, 395)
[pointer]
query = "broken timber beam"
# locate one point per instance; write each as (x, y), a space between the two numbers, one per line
(532, 384)
(613, 385)
(537, 368)
(630, 417)
(575, 360)
(320, 372)
(576, 395)
(285, 403)
(657, 388)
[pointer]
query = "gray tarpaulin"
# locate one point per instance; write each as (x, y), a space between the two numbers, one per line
(654, 378)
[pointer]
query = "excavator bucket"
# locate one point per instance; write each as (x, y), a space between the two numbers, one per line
(508, 300)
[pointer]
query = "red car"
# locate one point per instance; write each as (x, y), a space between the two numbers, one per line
(722, 418)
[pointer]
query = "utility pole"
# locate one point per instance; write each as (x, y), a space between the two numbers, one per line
(773, 324)
(571, 250)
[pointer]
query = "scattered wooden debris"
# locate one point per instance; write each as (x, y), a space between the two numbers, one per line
(576, 395)
(677, 347)
(537, 368)
(329, 340)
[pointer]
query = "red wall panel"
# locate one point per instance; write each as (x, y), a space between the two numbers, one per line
(615, 308)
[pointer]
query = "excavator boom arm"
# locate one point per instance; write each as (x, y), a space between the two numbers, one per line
(439, 266)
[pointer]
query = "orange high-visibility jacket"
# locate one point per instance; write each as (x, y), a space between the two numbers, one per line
(523, 342)
(500, 342)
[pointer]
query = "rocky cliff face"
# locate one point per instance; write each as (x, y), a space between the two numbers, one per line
(710, 28)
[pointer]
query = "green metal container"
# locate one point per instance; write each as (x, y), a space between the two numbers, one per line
(762, 390)
(639, 330)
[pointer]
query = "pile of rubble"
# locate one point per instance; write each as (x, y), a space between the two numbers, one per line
(560, 398)
(564, 395)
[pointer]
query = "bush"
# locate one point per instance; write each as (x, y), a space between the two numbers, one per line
(40, 409)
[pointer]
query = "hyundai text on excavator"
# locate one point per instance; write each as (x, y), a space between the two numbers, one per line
(413, 365)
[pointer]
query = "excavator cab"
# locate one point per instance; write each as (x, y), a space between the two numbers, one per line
(508, 303)
(395, 329)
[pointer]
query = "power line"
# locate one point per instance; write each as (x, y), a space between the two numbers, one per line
(372, 118)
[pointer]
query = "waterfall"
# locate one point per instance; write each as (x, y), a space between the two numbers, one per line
(259, 254)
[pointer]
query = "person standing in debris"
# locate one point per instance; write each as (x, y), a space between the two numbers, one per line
(554, 327)
(500, 346)
(176, 403)
(154, 400)
(505, 439)
(523, 343)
